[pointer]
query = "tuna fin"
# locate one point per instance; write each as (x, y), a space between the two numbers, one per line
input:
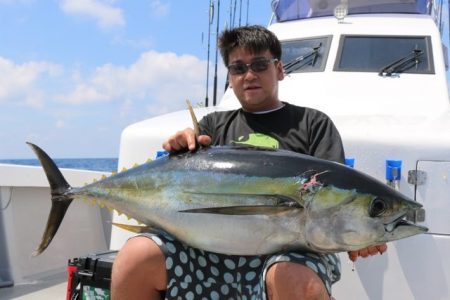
(242, 210)
(268, 200)
(60, 201)
(194, 118)
(136, 228)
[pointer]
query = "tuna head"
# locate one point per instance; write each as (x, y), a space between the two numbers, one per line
(340, 218)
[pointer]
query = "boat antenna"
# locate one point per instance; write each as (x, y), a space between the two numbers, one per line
(217, 42)
(211, 17)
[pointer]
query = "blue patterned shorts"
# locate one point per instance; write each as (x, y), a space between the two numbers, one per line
(196, 274)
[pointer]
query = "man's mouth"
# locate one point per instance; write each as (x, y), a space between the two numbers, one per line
(252, 87)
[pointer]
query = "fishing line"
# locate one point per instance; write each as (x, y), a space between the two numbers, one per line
(9, 200)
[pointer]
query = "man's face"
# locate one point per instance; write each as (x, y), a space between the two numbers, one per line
(256, 90)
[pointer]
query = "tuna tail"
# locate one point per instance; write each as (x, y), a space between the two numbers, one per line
(60, 200)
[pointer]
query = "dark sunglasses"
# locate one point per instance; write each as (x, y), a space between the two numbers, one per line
(259, 65)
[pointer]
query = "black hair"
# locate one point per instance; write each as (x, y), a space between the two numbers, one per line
(253, 38)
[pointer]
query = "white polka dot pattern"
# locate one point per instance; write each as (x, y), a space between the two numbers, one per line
(197, 274)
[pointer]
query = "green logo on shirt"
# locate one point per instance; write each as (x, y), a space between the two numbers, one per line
(258, 140)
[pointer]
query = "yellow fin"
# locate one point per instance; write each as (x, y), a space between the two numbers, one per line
(134, 228)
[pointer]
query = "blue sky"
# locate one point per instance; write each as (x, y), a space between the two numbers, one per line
(75, 73)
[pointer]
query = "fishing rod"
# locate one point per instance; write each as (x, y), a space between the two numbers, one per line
(215, 67)
(211, 17)
(234, 13)
(248, 6)
(240, 11)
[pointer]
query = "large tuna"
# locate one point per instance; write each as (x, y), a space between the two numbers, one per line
(246, 201)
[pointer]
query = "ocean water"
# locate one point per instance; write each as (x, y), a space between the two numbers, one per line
(92, 164)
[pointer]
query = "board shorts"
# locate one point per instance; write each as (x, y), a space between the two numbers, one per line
(197, 274)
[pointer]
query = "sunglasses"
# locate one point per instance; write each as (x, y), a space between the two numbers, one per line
(257, 66)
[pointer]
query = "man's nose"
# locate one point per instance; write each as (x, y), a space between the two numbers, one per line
(250, 74)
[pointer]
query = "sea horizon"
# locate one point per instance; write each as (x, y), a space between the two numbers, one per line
(106, 164)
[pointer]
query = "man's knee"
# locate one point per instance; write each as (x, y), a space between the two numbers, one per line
(287, 280)
(139, 262)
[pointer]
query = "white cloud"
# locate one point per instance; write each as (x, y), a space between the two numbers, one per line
(126, 109)
(159, 9)
(102, 11)
(155, 83)
(60, 124)
(165, 80)
(140, 43)
(19, 81)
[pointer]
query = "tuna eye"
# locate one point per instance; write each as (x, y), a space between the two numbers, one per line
(377, 207)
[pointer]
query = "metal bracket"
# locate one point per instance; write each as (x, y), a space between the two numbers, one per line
(417, 177)
(420, 215)
(417, 216)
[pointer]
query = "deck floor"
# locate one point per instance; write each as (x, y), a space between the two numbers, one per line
(51, 287)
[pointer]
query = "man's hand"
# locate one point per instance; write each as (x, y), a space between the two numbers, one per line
(372, 250)
(185, 140)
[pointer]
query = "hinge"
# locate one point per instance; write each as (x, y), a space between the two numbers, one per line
(417, 177)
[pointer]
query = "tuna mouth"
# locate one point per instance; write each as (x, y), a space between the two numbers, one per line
(402, 222)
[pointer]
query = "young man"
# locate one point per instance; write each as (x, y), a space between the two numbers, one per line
(149, 265)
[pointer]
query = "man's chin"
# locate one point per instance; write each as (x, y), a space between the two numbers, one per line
(253, 105)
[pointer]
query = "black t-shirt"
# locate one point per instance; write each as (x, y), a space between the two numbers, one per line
(300, 129)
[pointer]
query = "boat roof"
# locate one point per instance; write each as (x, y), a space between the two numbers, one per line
(287, 10)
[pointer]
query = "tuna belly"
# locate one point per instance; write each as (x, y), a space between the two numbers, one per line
(235, 235)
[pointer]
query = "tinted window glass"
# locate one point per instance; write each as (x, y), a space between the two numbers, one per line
(306, 55)
(373, 53)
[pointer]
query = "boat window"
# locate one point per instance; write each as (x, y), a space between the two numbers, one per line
(377, 53)
(305, 55)
(286, 10)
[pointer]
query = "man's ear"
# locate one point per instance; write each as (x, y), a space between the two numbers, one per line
(280, 71)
